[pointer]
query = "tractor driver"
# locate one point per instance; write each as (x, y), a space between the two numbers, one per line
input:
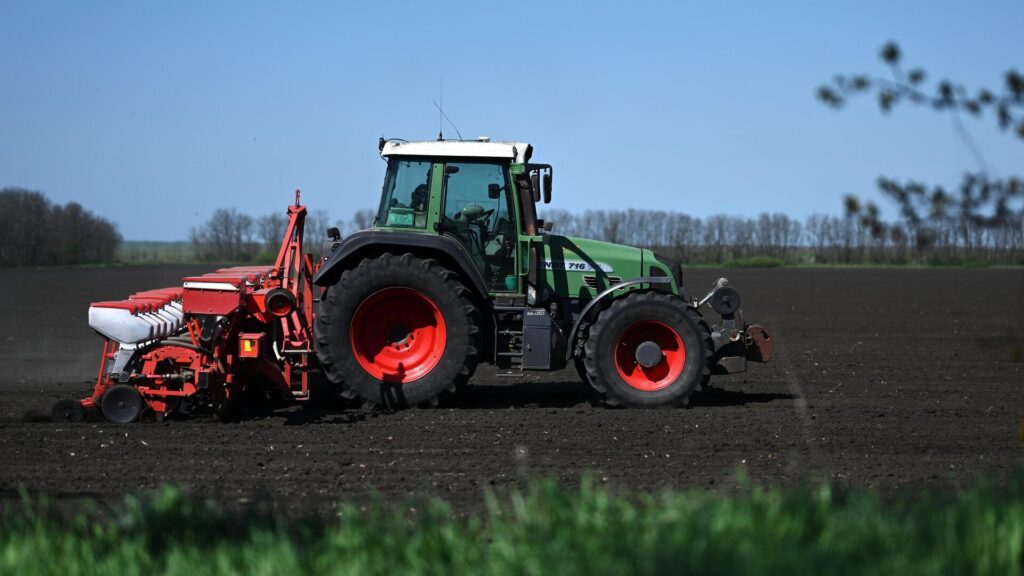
(419, 198)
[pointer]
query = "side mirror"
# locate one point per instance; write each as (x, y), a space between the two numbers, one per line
(535, 186)
(334, 234)
(493, 191)
(547, 188)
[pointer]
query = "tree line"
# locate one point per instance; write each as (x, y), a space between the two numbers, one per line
(859, 236)
(37, 232)
(233, 236)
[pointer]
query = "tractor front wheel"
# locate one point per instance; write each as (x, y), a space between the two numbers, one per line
(648, 349)
(397, 331)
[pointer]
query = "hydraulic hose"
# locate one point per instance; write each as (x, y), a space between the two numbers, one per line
(181, 343)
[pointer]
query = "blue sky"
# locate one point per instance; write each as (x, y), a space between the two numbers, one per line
(155, 114)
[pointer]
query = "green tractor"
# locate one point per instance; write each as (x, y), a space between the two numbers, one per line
(458, 269)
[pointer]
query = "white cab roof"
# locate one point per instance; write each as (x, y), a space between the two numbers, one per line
(518, 152)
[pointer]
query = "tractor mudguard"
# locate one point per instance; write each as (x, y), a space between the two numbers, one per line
(376, 242)
(571, 341)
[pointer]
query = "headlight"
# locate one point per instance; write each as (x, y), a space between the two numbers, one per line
(531, 295)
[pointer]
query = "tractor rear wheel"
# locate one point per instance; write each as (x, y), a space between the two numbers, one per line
(648, 349)
(397, 331)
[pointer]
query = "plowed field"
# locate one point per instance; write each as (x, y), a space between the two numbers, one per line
(887, 378)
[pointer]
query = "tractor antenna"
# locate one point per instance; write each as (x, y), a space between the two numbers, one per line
(445, 116)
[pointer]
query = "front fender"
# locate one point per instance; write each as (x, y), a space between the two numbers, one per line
(571, 341)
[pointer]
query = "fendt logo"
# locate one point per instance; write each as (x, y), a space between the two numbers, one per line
(576, 266)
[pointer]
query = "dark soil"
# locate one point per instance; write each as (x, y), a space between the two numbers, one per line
(884, 378)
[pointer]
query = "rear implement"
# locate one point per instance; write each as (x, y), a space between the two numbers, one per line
(218, 341)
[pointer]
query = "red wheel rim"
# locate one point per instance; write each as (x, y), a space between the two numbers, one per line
(398, 335)
(660, 375)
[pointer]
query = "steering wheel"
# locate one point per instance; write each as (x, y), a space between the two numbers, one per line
(486, 217)
(476, 214)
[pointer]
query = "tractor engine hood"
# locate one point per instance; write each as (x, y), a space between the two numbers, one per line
(582, 268)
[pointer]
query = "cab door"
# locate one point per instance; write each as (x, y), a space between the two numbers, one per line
(478, 211)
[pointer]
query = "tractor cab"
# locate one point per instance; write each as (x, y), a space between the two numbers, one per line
(479, 193)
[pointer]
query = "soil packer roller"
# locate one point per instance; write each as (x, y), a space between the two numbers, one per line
(457, 270)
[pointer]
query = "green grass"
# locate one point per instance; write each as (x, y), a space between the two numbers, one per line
(756, 262)
(545, 529)
(140, 252)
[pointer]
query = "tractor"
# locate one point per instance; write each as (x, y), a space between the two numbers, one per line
(457, 270)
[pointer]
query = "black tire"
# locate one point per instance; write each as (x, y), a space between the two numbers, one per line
(648, 307)
(441, 287)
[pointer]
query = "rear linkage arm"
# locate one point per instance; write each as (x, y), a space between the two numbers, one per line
(735, 341)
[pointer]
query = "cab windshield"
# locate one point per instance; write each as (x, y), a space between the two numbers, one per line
(406, 193)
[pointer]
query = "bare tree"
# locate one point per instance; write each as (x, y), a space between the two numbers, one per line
(981, 204)
(226, 236)
(271, 229)
(317, 223)
(361, 220)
